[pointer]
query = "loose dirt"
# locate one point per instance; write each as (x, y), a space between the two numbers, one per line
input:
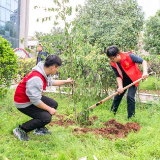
(111, 129)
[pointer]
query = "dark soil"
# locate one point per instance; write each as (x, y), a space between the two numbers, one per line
(62, 121)
(112, 129)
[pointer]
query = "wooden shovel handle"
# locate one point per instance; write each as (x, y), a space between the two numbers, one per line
(107, 98)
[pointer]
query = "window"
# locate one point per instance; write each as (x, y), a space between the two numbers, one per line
(12, 5)
(2, 14)
(8, 2)
(14, 42)
(9, 21)
(2, 28)
(7, 15)
(7, 34)
(15, 6)
(15, 32)
(3, 3)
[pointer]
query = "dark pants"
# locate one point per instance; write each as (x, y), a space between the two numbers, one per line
(130, 99)
(40, 117)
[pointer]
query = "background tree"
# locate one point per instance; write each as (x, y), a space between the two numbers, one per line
(53, 42)
(152, 34)
(108, 22)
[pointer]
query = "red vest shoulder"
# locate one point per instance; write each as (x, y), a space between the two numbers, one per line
(130, 68)
(20, 93)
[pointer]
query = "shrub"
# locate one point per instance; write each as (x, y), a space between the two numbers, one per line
(25, 66)
(8, 65)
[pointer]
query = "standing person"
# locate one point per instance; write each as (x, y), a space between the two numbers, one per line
(127, 71)
(40, 54)
(29, 100)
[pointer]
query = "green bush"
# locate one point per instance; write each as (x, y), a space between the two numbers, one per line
(8, 65)
(25, 66)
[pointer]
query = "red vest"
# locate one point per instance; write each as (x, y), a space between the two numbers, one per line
(20, 94)
(130, 68)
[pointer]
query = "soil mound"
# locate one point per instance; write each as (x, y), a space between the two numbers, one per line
(112, 129)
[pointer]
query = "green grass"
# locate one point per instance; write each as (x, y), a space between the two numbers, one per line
(64, 145)
(150, 84)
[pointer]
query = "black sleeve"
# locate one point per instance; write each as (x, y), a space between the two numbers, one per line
(135, 58)
(115, 72)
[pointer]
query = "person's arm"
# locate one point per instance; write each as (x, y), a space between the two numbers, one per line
(119, 81)
(120, 85)
(43, 106)
(145, 71)
(61, 82)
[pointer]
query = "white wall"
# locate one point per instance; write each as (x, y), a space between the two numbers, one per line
(24, 23)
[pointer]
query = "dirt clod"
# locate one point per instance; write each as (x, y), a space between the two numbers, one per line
(112, 129)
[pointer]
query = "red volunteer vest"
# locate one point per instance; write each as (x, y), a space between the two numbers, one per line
(130, 68)
(20, 94)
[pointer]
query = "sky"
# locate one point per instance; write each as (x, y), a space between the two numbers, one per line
(149, 7)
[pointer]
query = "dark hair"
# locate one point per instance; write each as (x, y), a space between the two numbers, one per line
(40, 45)
(53, 59)
(112, 51)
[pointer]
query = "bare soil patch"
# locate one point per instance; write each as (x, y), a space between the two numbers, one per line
(111, 130)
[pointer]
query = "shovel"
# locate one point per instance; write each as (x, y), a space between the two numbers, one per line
(114, 94)
(85, 116)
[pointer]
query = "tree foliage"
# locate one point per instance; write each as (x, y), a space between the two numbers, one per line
(53, 42)
(152, 34)
(108, 22)
(8, 65)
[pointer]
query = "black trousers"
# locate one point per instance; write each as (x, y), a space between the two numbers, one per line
(39, 116)
(130, 99)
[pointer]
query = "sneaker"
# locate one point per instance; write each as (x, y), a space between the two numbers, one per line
(21, 134)
(41, 131)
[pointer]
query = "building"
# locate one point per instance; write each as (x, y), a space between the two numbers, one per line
(14, 21)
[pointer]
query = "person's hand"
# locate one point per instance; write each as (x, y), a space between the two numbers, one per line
(120, 90)
(52, 111)
(69, 80)
(145, 75)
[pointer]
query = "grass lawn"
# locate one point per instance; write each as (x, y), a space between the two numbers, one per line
(150, 84)
(64, 145)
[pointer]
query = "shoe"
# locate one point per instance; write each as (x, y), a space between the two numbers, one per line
(113, 112)
(41, 131)
(131, 116)
(21, 134)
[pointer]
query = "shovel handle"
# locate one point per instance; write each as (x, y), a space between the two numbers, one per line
(107, 98)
